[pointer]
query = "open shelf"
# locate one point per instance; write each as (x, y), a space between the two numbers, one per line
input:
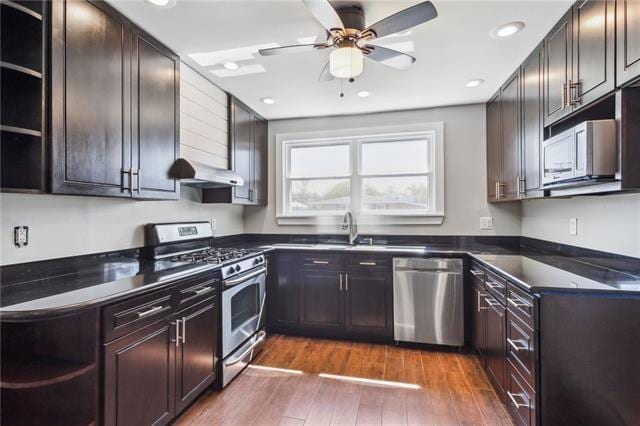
(30, 7)
(22, 159)
(21, 100)
(21, 36)
(21, 374)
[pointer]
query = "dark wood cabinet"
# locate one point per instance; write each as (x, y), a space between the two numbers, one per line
(510, 127)
(494, 147)
(248, 150)
(628, 41)
(114, 105)
(558, 57)
(155, 118)
(139, 377)
(593, 51)
(321, 301)
(282, 293)
(532, 127)
(196, 356)
(368, 292)
(479, 315)
(496, 342)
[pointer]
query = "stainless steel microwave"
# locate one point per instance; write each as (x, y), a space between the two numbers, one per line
(583, 154)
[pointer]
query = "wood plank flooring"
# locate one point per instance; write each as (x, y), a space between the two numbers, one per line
(284, 387)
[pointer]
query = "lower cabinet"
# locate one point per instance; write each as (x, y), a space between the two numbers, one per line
(367, 310)
(496, 350)
(521, 399)
(479, 312)
(321, 298)
(282, 290)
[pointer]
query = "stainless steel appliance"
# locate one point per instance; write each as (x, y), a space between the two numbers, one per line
(243, 275)
(428, 301)
(581, 155)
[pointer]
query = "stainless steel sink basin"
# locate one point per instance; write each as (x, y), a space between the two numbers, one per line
(358, 247)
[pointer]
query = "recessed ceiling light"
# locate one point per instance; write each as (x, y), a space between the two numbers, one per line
(268, 101)
(507, 30)
(364, 93)
(231, 65)
(162, 3)
(475, 82)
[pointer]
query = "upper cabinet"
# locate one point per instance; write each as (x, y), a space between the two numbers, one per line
(114, 105)
(494, 147)
(628, 41)
(579, 65)
(248, 148)
(531, 112)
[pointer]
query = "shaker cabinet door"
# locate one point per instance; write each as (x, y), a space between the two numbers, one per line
(369, 303)
(321, 301)
(557, 69)
(531, 101)
(510, 95)
(628, 41)
(90, 95)
(494, 147)
(242, 149)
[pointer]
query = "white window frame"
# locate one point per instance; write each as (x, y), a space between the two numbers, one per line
(356, 137)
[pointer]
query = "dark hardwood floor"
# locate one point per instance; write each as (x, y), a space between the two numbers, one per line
(294, 382)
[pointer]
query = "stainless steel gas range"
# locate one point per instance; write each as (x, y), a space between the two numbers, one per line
(243, 274)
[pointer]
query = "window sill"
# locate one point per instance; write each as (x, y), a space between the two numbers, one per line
(363, 219)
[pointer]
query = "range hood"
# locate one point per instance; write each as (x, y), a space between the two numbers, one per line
(200, 175)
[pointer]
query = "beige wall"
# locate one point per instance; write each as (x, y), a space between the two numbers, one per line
(609, 223)
(62, 226)
(465, 170)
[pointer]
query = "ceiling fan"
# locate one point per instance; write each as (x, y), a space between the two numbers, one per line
(350, 39)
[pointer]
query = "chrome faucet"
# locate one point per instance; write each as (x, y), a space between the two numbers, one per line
(350, 223)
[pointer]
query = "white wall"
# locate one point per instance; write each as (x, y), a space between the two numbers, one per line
(609, 223)
(465, 171)
(62, 226)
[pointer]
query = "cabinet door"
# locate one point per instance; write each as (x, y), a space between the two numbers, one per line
(260, 175)
(496, 351)
(90, 96)
(479, 312)
(593, 51)
(628, 40)
(282, 296)
(196, 354)
(369, 302)
(139, 377)
(241, 149)
(494, 150)
(531, 101)
(321, 301)
(558, 69)
(510, 96)
(155, 118)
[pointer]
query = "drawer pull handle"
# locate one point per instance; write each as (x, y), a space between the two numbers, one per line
(512, 397)
(184, 330)
(475, 273)
(368, 263)
(203, 290)
(177, 324)
(518, 303)
(492, 302)
(494, 285)
(321, 262)
(513, 344)
(480, 307)
(150, 311)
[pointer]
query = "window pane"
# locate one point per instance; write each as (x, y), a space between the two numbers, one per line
(396, 193)
(320, 195)
(319, 161)
(395, 157)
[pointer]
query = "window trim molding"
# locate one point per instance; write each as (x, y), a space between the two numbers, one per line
(363, 218)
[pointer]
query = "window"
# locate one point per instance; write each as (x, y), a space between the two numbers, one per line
(379, 175)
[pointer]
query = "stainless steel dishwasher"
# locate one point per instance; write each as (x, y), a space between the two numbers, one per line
(427, 301)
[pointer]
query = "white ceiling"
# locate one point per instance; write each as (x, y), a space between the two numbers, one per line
(450, 50)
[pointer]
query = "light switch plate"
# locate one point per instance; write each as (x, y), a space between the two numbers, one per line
(573, 226)
(486, 223)
(21, 236)
(213, 224)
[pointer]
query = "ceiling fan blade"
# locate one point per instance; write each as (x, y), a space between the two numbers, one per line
(325, 14)
(403, 20)
(296, 48)
(325, 75)
(389, 57)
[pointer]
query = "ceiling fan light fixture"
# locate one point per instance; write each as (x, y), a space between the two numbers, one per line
(346, 62)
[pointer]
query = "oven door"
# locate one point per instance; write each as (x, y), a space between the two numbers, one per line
(242, 308)
(558, 158)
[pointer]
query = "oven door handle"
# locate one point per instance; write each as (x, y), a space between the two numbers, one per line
(261, 336)
(242, 278)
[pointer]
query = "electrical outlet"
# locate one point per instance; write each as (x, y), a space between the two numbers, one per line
(486, 223)
(213, 224)
(573, 226)
(21, 236)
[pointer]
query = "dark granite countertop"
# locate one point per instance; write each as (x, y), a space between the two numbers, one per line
(59, 285)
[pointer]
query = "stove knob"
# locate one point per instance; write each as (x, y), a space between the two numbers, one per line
(257, 261)
(231, 270)
(238, 268)
(260, 259)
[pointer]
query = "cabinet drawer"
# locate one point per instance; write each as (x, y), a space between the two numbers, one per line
(478, 275)
(196, 290)
(368, 261)
(521, 347)
(133, 314)
(496, 286)
(521, 400)
(322, 261)
(521, 304)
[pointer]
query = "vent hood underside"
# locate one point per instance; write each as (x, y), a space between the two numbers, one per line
(200, 175)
